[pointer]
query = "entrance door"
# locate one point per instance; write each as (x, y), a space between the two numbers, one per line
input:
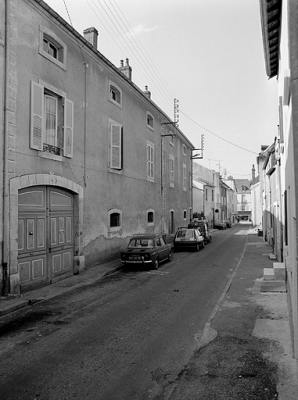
(45, 235)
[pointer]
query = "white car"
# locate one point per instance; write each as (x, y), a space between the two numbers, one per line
(189, 238)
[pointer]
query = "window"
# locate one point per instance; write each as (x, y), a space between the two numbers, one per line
(150, 161)
(184, 215)
(206, 194)
(171, 169)
(150, 217)
(51, 128)
(115, 220)
(52, 47)
(212, 194)
(184, 150)
(115, 145)
(149, 120)
(115, 94)
(171, 139)
(184, 177)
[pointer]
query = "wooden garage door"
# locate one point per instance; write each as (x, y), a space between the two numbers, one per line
(45, 235)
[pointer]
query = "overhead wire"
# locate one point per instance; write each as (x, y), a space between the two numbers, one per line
(120, 26)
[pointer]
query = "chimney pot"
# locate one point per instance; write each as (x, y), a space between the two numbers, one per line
(126, 69)
(121, 63)
(147, 92)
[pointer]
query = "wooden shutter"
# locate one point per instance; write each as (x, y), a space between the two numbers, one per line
(115, 146)
(36, 128)
(68, 129)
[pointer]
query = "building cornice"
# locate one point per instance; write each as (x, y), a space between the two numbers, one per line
(271, 26)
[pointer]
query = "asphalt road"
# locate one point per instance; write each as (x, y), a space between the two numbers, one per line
(126, 337)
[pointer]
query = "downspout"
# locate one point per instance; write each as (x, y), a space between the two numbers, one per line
(5, 211)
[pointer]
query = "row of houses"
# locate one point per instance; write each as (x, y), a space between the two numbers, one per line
(275, 193)
(217, 198)
(88, 158)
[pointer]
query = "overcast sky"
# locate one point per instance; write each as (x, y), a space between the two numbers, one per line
(206, 53)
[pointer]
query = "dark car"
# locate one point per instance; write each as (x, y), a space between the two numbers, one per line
(228, 223)
(203, 228)
(219, 224)
(188, 238)
(147, 249)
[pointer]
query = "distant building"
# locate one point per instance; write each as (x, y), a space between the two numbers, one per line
(243, 198)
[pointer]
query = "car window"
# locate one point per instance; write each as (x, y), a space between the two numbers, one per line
(141, 243)
(189, 233)
(157, 242)
(162, 242)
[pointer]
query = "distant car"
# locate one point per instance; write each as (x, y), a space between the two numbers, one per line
(219, 224)
(188, 238)
(147, 249)
(228, 223)
(203, 228)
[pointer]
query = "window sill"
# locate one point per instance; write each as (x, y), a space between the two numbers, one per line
(52, 59)
(115, 171)
(119, 105)
(49, 156)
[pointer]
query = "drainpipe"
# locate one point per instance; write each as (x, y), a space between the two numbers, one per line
(5, 211)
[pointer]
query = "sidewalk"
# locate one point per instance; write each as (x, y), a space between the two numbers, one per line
(245, 350)
(89, 276)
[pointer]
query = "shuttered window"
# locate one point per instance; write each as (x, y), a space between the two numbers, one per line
(171, 170)
(150, 161)
(184, 178)
(115, 153)
(47, 116)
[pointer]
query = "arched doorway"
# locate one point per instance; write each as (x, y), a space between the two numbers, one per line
(45, 235)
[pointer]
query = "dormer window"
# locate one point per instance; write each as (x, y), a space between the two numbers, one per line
(115, 94)
(149, 120)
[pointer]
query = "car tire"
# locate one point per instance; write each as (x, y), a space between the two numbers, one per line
(203, 244)
(198, 247)
(156, 264)
(170, 256)
(210, 239)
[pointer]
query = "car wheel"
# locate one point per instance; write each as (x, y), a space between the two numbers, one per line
(198, 247)
(203, 244)
(170, 256)
(156, 264)
(210, 239)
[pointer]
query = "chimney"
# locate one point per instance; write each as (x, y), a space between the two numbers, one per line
(126, 69)
(253, 173)
(91, 35)
(147, 92)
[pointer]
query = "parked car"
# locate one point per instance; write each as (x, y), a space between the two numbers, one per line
(189, 238)
(147, 249)
(219, 224)
(228, 223)
(203, 228)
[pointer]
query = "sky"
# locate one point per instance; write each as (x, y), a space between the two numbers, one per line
(208, 54)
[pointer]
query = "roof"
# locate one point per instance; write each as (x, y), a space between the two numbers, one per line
(271, 26)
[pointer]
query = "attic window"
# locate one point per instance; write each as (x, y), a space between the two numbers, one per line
(115, 94)
(52, 47)
(149, 120)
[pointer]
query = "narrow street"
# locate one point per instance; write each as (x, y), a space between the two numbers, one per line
(126, 337)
